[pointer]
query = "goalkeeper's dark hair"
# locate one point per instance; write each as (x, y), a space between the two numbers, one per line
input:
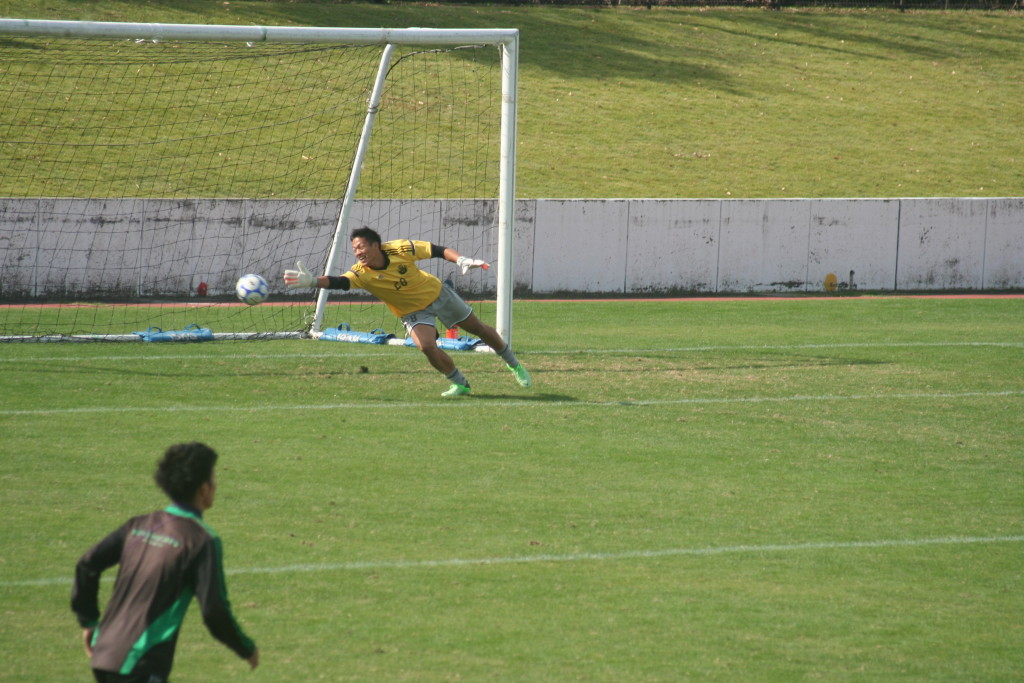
(184, 468)
(367, 233)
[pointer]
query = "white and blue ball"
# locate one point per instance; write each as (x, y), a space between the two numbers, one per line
(252, 289)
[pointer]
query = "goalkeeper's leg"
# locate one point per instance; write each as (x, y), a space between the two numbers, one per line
(425, 338)
(452, 310)
(490, 336)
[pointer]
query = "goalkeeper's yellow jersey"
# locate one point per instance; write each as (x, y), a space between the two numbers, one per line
(401, 284)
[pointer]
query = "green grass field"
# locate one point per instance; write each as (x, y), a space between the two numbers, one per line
(769, 490)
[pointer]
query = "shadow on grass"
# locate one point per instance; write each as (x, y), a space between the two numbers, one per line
(671, 46)
(524, 398)
(796, 363)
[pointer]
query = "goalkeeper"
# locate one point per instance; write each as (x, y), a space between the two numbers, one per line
(388, 271)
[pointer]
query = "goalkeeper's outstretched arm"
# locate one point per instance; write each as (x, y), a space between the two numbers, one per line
(464, 262)
(302, 278)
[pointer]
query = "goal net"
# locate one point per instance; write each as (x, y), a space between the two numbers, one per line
(145, 167)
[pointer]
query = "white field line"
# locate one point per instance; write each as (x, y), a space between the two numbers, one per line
(579, 557)
(536, 401)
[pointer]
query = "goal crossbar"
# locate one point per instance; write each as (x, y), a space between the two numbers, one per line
(279, 34)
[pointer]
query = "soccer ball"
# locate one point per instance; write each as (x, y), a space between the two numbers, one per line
(252, 289)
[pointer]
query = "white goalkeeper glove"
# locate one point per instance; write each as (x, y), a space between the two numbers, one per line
(294, 279)
(468, 264)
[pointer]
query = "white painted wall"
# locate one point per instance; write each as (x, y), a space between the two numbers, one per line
(941, 244)
(779, 245)
(562, 246)
(854, 239)
(673, 245)
(580, 246)
(1004, 243)
(764, 245)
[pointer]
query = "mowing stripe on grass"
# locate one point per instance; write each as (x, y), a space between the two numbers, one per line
(581, 557)
(536, 399)
(628, 555)
(355, 352)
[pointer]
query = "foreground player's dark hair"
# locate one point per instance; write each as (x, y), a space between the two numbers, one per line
(184, 468)
(367, 233)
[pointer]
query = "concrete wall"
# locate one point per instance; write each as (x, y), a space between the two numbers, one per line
(629, 246)
(639, 246)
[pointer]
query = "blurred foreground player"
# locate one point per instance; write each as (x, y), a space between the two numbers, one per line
(165, 558)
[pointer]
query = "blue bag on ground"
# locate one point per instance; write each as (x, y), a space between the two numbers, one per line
(191, 333)
(460, 344)
(344, 333)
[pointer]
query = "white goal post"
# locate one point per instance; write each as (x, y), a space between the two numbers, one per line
(504, 41)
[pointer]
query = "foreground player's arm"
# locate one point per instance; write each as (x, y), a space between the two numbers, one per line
(85, 592)
(212, 595)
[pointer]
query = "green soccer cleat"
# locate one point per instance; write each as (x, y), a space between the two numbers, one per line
(522, 376)
(456, 390)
